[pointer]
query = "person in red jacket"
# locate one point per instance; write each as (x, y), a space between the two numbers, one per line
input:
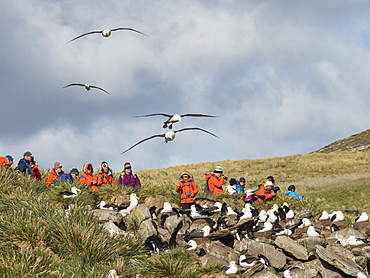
(216, 181)
(6, 161)
(88, 178)
(35, 169)
(188, 189)
(105, 176)
(54, 173)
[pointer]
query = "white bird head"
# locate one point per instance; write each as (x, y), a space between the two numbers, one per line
(193, 245)
(207, 230)
(106, 32)
(133, 196)
(169, 136)
(75, 190)
(87, 87)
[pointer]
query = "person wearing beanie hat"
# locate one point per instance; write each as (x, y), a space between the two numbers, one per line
(216, 181)
(231, 188)
(24, 166)
(105, 176)
(54, 173)
(88, 178)
(240, 185)
(128, 178)
(188, 189)
(71, 176)
(6, 161)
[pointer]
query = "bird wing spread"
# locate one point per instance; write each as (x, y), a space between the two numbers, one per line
(88, 33)
(158, 135)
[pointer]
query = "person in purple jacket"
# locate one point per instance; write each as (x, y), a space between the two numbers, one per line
(127, 178)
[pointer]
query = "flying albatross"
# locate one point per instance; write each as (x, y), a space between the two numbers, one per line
(169, 136)
(174, 118)
(87, 87)
(106, 32)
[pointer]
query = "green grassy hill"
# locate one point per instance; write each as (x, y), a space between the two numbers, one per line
(39, 239)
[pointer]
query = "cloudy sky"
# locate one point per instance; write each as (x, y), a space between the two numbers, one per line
(284, 77)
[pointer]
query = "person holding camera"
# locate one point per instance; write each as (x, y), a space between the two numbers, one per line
(216, 181)
(188, 189)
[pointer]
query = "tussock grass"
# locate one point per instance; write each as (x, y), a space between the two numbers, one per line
(173, 263)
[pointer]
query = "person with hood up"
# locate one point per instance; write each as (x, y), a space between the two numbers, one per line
(216, 181)
(188, 189)
(71, 176)
(6, 161)
(105, 176)
(24, 166)
(35, 169)
(88, 178)
(128, 178)
(54, 173)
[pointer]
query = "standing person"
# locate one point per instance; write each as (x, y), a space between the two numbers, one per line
(88, 178)
(24, 164)
(35, 169)
(6, 161)
(105, 176)
(54, 173)
(216, 181)
(188, 189)
(127, 178)
(72, 176)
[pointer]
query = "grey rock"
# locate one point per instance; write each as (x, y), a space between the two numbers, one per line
(338, 260)
(107, 215)
(326, 271)
(362, 227)
(219, 250)
(147, 230)
(277, 259)
(209, 260)
(310, 243)
(292, 248)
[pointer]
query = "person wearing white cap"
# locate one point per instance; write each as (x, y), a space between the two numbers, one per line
(216, 181)
(266, 191)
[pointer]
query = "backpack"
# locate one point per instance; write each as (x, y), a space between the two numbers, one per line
(207, 176)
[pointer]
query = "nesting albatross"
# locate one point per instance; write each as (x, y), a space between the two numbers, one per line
(70, 194)
(87, 87)
(107, 32)
(174, 118)
(169, 136)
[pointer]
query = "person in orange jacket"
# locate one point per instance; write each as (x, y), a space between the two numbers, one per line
(216, 181)
(188, 189)
(88, 178)
(105, 176)
(54, 173)
(266, 191)
(6, 161)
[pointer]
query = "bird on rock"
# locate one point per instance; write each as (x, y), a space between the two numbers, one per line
(104, 205)
(126, 207)
(70, 194)
(174, 118)
(362, 218)
(324, 215)
(106, 32)
(231, 269)
(87, 87)
(312, 232)
(169, 136)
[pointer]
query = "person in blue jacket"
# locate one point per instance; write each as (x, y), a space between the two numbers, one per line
(24, 164)
(73, 174)
(291, 193)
